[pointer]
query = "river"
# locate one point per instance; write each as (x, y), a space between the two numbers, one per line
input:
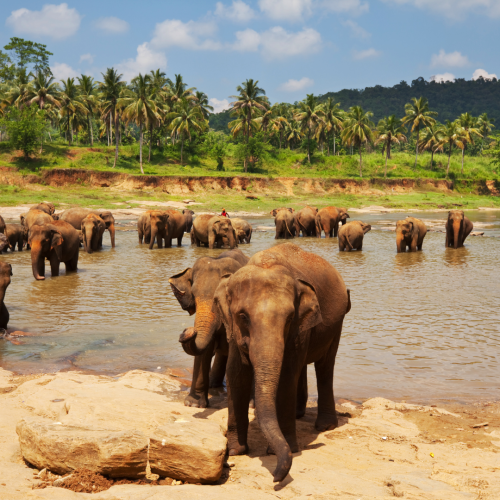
(423, 326)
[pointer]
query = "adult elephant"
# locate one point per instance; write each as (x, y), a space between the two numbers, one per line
(2, 225)
(92, 230)
(74, 216)
(410, 233)
(57, 242)
(35, 216)
(458, 227)
(351, 235)
(5, 274)
(306, 221)
(284, 220)
(243, 230)
(328, 220)
(144, 227)
(188, 217)
(281, 311)
(17, 235)
(211, 230)
(194, 288)
(176, 227)
(46, 207)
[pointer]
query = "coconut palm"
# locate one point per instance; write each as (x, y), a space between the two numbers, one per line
(178, 90)
(430, 140)
(240, 126)
(389, 130)
(17, 92)
(88, 91)
(72, 107)
(485, 125)
(452, 135)
(309, 114)
(139, 106)
(111, 89)
(294, 132)
(333, 118)
(419, 116)
(184, 120)
(43, 89)
(204, 105)
(358, 130)
(470, 128)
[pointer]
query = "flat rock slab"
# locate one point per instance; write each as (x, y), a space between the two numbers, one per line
(65, 448)
(188, 450)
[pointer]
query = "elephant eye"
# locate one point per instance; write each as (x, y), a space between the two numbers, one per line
(244, 317)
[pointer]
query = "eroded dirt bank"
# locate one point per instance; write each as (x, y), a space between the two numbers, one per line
(381, 449)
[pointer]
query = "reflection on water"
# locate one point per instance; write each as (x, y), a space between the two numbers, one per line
(423, 325)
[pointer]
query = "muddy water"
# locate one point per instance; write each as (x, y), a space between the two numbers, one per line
(423, 326)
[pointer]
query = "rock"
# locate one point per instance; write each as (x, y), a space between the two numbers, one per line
(65, 448)
(59, 482)
(188, 201)
(477, 233)
(188, 450)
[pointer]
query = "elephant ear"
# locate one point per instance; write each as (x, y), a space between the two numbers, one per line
(291, 210)
(274, 212)
(181, 284)
(221, 306)
(309, 313)
(56, 242)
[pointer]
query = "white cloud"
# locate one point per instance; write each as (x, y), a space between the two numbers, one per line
(277, 43)
(455, 9)
(356, 29)
(354, 7)
(239, 11)
(219, 104)
(191, 35)
(451, 60)
(146, 60)
(54, 21)
(365, 54)
(296, 85)
(62, 71)
(444, 77)
(286, 10)
(484, 74)
(87, 57)
(247, 41)
(112, 25)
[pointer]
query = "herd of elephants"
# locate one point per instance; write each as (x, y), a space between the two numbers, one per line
(263, 319)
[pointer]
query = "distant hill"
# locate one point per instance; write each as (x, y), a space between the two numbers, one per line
(449, 99)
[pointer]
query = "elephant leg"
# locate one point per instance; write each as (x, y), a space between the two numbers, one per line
(218, 370)
(54, 264)
(179, 240)
(302, 394)
(239, 390)
(198, 395)
(335, 230)
(72, 265)
(141, 236)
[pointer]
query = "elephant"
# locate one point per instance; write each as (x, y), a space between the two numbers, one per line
(212, 229)
(410, 233)
(458, 227)
(194, 288)
(188, 217)
(328, 220)
(35, 216)
(284, 220)
(176, 227)
(92, 230)
(144, 227)
(4, 243)
(281, 311)
(46, 207)
(75, 216)
(17, 235)
(58, 242)
(306, 221)
(242, 229)
(2, 225)
(5, 274)
(152, 226)
(351, 235)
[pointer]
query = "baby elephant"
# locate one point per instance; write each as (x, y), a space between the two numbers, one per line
(410, 233)
(351, 235)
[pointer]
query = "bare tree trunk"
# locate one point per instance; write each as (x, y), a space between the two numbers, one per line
(449, 159)
(386, 158)
(182, 150)
(463, 154)
(416, 149)
(91, 133)
(360, 163)
(308, 145)
(140, 147)
(117, 133)
(334, 144)
(150, 141)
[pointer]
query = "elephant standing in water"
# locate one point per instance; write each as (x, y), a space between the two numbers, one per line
(194, 288)
(281, 311)
(75, 216)
(410, 233)
(5, 274)
(242, 229)
(152, 226)
(17, 235)
(328, 220)
(458, 227)
(306, 221)
(2, 225)
(286, 225)
(92, 230)
(58, 242)
(351, 235)
(188, 218)
(212, 230)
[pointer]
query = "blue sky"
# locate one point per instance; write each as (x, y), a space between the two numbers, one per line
(292, 47)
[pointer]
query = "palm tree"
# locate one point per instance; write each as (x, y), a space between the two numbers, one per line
(418, 114)
(485, 126)
(451, 135)
(389, 130)
(43, 89)
(333, 118)
(204, 105)
(358, 130)
(309, 114)
(72, 107)
(87, 88)
(430, 140)
(294, 132)
(239, 125)
(17, 93)
(185, 119)
(111, 90)
(139, 106)
(178, 90)
(469, 125)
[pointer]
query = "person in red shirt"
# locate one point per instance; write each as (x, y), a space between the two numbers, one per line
(224, 213)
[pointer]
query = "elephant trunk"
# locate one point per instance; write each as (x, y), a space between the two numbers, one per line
(86, 242)
(456, 233)
(399, 243)
(319, 226)
(154, 231)
(267, 369)
(232, 240)
(37, 261)
(111, 230)
(196, 340)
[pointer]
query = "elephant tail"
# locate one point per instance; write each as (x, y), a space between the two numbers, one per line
(348, 242)
(319, 226)
(288, 229)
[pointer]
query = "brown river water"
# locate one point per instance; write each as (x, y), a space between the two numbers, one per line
(424, 326)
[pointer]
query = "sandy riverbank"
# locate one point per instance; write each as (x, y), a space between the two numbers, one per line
(380, 450)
